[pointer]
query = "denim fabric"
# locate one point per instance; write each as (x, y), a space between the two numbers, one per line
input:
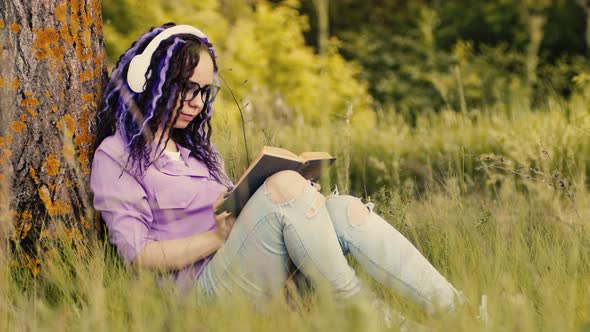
(315, 234)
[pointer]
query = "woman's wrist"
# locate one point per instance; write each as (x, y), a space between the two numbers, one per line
(218, 238)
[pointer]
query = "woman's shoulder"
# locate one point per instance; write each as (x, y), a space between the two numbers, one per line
(114, 147)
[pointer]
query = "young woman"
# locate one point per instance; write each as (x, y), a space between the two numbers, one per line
(157, 178)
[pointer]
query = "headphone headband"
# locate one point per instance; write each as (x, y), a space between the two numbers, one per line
(140, 63)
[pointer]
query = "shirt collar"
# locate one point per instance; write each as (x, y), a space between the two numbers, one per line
(190, 167)
(163, 163)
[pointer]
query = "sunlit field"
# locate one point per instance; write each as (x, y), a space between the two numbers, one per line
(497, 202)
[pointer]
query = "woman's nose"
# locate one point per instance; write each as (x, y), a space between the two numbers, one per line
(196, 102)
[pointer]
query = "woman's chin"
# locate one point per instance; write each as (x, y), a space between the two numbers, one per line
(181, 124)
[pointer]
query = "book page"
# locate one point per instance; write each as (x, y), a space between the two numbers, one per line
(274, 151)
(315, 155)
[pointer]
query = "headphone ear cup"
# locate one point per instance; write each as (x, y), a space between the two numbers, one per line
(138, 66)
(136, 73)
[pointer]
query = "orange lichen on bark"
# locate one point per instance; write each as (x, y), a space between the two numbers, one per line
(44, 40)
(68, 152)
(5, 140)
(95, 10)
(32, 264)
(33, 174)
(46, 199)
(57, 52)
(53, 208)
(5, 155)
(30, 102)
(83, 159)
(74, 18)
(24, 225)
(83, 52)
(51, 164)
(1, 24)
(86, 20)
(62, 207)
(1, 82)
(97, 69)
(84, 223)
(85, 76)
(47, 94)
(73, 233)
(26, 220)
(65, 34)
(31, 112)
(67, 124)
(87, 97)
(17, 126)
(15, 27)
(54, 108)
(15, 84)
(83, 142)
(61, 12)
(24, 117)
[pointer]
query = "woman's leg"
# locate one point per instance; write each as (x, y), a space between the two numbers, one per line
(285, 219)
(387, 255)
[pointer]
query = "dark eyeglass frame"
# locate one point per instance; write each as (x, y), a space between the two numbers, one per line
(208, 92)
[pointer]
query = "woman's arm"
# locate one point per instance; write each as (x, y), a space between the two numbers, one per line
(178, 253)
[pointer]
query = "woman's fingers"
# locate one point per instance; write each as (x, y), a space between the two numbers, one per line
(316, 186)
(217, 202)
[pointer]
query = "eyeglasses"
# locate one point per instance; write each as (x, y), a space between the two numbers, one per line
(208, 92)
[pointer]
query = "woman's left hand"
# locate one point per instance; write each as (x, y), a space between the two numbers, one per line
(225, 220)
(316, 186)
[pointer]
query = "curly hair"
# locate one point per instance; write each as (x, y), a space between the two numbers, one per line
(138, 115)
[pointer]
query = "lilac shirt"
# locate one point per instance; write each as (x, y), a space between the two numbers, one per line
(173, 199)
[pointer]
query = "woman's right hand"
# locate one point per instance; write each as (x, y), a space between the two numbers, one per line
(225, 220)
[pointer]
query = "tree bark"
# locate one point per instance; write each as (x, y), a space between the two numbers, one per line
(51, 77)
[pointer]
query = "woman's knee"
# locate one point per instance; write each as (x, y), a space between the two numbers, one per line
(285, 185)
(347, 209)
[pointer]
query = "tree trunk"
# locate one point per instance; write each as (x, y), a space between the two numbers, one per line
(53, 69)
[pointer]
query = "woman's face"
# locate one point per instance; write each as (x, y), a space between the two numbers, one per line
(202, 75)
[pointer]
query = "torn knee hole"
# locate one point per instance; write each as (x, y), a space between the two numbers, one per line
(285, 186)
(357, 213)
(315, 207)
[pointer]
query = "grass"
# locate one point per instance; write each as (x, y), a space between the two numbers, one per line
(492, 226)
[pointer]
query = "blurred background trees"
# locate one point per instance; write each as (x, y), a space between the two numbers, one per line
(397, 90)
(412, 56)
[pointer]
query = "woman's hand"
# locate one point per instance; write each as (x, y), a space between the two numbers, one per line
(316, 186)
(225, 221)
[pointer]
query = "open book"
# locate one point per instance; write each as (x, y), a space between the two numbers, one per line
(272, 160)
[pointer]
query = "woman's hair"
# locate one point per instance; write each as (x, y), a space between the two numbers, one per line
(138, 115)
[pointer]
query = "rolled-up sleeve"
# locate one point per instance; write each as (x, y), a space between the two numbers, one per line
(122, 202)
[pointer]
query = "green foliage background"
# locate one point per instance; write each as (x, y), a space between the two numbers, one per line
(405, 91)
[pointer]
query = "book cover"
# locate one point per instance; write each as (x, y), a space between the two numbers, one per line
(270, 161)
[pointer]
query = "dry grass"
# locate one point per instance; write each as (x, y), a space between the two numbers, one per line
(507, 230)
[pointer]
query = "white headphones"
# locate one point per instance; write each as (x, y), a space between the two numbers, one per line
(140, 63)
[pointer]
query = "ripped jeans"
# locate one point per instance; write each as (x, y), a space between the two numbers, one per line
(315, 233)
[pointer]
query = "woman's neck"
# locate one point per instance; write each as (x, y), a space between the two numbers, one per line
(169, 144)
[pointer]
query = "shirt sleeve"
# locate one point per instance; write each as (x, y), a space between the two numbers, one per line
(123, 204)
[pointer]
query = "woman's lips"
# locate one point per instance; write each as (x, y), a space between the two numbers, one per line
(185, 116)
